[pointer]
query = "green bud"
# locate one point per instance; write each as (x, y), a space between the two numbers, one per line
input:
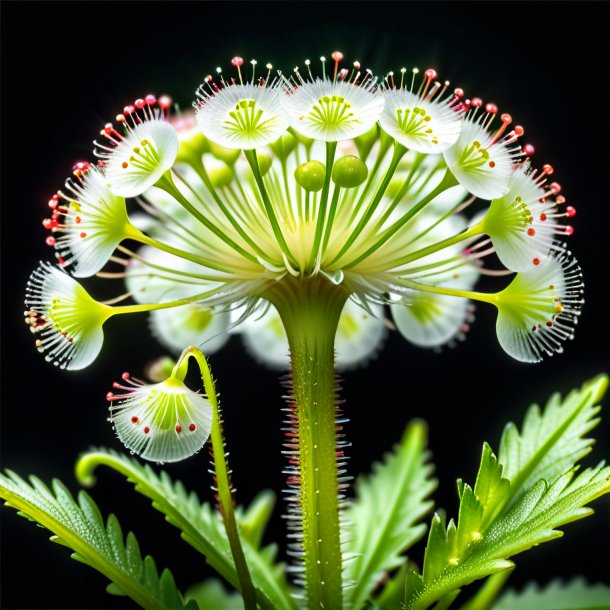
(159, 369)
(192, 147)
(264, 163)
(310, 175)
(349, 172)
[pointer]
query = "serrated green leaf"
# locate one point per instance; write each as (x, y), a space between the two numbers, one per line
(533, 520)
(574, 595)
(211, 594)
(255, 518)
(392, 595)
(384, 514)
(80, 527)
(114, 589)
(200, 526)
(440, 549)
(498, 520)
(491, 489)
(488, 591)
(447, 600)
(551, 442)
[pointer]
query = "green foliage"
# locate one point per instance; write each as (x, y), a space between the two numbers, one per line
(519, 499)
(502, 517)
(211, 595)
(254, 520)
(202, 527)
(574, 595)
(383, 517)
(392, 595)
(80, 527)
(550, 442)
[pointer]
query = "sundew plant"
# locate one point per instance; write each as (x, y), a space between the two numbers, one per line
(313, 211)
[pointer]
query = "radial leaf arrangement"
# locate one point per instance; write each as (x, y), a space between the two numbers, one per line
(313, 211)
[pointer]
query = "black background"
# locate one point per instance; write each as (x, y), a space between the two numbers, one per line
(69, 67)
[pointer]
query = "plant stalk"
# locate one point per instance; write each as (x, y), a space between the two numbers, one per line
(224, 488)
(310, 310)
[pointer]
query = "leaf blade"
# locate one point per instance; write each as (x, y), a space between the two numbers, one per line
(384, 514)
(80, 527)
(573, 595)
(199, 524)
(500, 518)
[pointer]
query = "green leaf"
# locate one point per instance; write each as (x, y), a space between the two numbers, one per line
(551, 442)
(449, 565)
(211, 594)
(80, 527)
(574, 595)
(383, 517)
(446, 601)
(498, 518)
(392, 595)
(488, 591)
(201, 526)
(253, 521)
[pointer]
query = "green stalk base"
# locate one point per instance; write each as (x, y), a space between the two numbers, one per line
(310, 310)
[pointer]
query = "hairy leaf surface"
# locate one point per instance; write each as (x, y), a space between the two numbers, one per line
(385, 513)
(552, 441)
(80, 527)
(573, 595)
(501, 516)
(202, 527)
(211, 594)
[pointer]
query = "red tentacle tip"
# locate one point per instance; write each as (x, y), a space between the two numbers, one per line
(165, 101)
(80, 168)
(528, 150)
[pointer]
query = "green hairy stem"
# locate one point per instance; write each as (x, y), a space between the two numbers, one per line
(310, 311)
